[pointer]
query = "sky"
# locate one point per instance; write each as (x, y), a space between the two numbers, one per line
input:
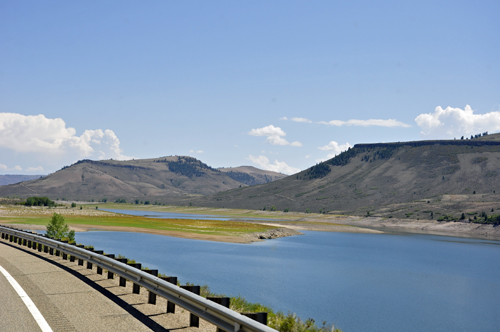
(279, 85)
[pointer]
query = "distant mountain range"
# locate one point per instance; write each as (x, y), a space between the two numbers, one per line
(10, 179)
(138, 179)
(368, 177)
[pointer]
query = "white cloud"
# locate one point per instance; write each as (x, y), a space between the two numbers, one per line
(454, 122)
(281, 167)
(366, 123)
(193, 151)
(336, 149)
(6, 168)
(284, 118)
(274, 135)
(38, 169)
(36, 134)
(304, 120)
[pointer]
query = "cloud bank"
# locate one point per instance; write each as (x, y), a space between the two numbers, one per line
(50, 138)
(274, 135)
(335, 149)
(280, 167)
(354, 122)
(455, 122)
(366, 123)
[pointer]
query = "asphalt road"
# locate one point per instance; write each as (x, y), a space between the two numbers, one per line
(66, 302)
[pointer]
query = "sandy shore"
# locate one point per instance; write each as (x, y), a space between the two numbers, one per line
(458, 229)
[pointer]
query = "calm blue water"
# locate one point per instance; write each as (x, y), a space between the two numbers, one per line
(360, 282)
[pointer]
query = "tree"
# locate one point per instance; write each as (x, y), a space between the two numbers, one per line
(73, 204)
(58, 229)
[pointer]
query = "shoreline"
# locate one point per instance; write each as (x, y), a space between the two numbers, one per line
(243, 239)
(431, 227)
(284, 224)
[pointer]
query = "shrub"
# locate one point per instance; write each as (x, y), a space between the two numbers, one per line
(39, 201)
(58, 229)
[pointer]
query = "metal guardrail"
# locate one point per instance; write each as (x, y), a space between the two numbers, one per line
(224, 318)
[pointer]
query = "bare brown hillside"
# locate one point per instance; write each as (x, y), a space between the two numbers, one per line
(250, 175)
(132, 179)
(369, 176)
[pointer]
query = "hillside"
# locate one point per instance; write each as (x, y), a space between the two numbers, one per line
(10, 179)
(133, 179)
(250, 175)
(370, 176)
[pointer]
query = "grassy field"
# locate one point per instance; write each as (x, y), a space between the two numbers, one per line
(89, 217)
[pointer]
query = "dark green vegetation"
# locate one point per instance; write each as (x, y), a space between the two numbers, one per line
(38, 201)
(151, 180)
(59, 230)
(384, 179)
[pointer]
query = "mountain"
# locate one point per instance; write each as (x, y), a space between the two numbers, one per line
(369, 176)
(250, 175)
(10, 179)
(132, 179)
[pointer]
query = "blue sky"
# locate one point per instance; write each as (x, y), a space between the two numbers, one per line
(279, 85)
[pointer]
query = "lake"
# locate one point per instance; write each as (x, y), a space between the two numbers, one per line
(359, 282)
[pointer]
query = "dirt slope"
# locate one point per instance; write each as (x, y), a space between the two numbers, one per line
(369, 176)
(250, 175)
(141, 179)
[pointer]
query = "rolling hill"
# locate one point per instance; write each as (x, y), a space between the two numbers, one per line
(368, 177)
(250, 175)
(133, 179)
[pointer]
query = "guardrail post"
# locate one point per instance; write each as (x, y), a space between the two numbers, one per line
(123, 281)
(223, 301)
(51, 251)
(170, 305)
(25, 242)
(11, 238)
(194, 321)
(111, 275)
(99, 269)
(80, 261)
(71, 257)
(89, 264)
(64, 255)
(152, 296)
(260, 317)
(136, 289)
(29, 244)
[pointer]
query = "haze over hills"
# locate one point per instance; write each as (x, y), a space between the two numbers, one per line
(133, 179)
(250, 175)
(369, 176)
(16, 178)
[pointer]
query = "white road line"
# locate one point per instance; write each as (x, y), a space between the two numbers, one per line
(31, 306)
